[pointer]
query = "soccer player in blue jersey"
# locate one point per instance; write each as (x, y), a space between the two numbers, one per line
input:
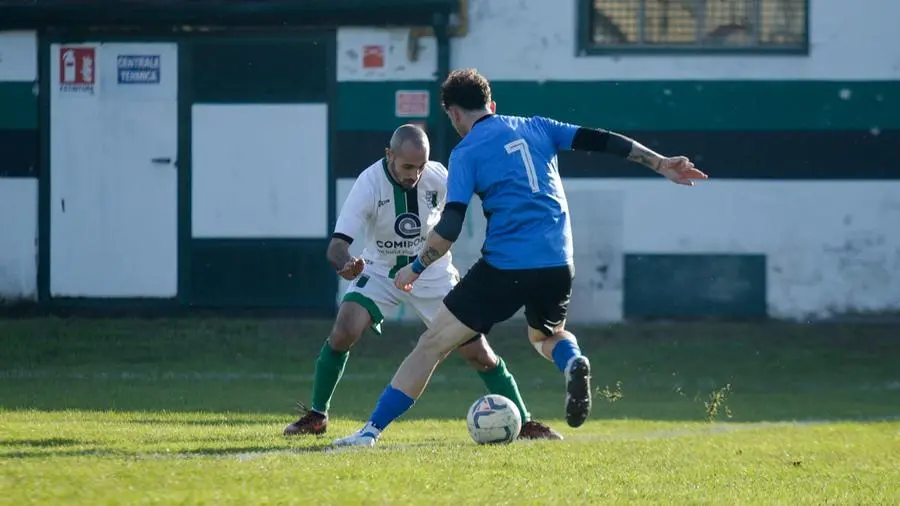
(510, 163)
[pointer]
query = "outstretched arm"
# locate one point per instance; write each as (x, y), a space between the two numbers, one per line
(605, 141)
(677, 168)
(568, 136)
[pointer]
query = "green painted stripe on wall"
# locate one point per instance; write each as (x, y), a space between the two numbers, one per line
(19, 153)
(260, 71)
(813, 154)
(371, 106)
(18, 106)
(660, 105)
(694, 286)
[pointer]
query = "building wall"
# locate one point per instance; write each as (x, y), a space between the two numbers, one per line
(18, 166)
(799, 218)
(801, 151)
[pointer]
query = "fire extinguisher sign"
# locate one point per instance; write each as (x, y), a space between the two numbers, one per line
(77, 69)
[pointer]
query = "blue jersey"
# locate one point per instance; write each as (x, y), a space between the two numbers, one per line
(510, 163)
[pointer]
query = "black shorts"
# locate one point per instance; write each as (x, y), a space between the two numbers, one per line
(486, 296)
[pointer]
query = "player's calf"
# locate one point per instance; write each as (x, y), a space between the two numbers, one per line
(348, 327)
(478, 354)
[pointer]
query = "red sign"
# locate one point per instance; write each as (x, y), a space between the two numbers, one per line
(411, 104)
(77, 65)
(373, 57)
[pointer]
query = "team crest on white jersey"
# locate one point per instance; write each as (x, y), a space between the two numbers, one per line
(431, 198)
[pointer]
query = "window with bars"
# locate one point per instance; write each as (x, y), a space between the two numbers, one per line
(621, 26)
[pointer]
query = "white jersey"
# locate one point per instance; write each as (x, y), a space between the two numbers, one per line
(396, 221)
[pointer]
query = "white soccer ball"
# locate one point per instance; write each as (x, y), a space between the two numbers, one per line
(494, 419)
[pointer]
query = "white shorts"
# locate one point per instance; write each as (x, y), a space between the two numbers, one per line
(378, 295)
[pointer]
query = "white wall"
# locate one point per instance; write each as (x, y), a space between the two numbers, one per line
(18, 240)
(831, 247)
(18, 56)
(260, 170)
(537, 40)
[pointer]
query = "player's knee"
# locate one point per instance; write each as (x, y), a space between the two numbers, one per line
(343, 336)
(434, 344)
(540, 335)
(479, 355)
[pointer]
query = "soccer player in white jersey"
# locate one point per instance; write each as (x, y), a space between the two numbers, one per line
(392, 206)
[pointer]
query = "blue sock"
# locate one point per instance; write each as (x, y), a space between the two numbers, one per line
(390, 406)
(563, 351)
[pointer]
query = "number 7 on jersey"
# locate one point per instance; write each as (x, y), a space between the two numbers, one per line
(520, 146)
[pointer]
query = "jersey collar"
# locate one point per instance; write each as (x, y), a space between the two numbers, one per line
(387, 174)
(479, 120)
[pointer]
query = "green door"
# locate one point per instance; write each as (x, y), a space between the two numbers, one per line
(259, 179)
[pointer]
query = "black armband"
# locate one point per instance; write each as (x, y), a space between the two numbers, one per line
(603, 141)
(451, 221)
(343, 237)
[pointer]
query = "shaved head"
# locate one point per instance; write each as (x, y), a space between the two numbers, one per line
(408, 154)
(415, 136)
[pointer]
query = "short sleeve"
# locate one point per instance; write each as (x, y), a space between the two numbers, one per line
(441, 173)
(460, 179)
(560, 133)
(357, 209)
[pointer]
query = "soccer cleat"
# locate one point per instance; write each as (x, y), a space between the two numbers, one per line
(311, 422)
(537, 430)
(367, 436)
(578, 390)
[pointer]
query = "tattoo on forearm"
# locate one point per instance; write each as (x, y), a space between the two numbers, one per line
(645, 156)
(430, 255)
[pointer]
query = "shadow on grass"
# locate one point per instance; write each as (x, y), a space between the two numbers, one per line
(242, 452)
(87, 452)
(201, 423)
(44, 443)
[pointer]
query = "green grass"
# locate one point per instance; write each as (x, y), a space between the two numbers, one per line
(191, 411)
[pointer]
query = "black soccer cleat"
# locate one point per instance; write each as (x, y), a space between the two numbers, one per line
(578, 391)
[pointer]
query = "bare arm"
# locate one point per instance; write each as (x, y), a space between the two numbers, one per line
(605, 141)
(678, 169)
(644, 155)
(435, 247)
(338, 252)
(441, 238)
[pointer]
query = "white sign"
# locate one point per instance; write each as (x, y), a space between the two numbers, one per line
(137, 69)
(412, 104)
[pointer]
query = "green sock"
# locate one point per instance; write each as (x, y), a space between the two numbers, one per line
(329, 368)
(499, 381)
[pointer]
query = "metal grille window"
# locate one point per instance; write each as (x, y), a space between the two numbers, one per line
(695, 25)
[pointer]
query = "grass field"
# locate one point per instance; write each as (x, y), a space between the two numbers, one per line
(191, 411)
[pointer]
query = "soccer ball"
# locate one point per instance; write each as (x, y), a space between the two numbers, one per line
(494, 419)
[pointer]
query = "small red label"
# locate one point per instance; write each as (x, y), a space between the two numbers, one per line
(373, 57)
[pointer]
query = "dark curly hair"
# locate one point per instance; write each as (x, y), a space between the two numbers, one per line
(466, 89)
